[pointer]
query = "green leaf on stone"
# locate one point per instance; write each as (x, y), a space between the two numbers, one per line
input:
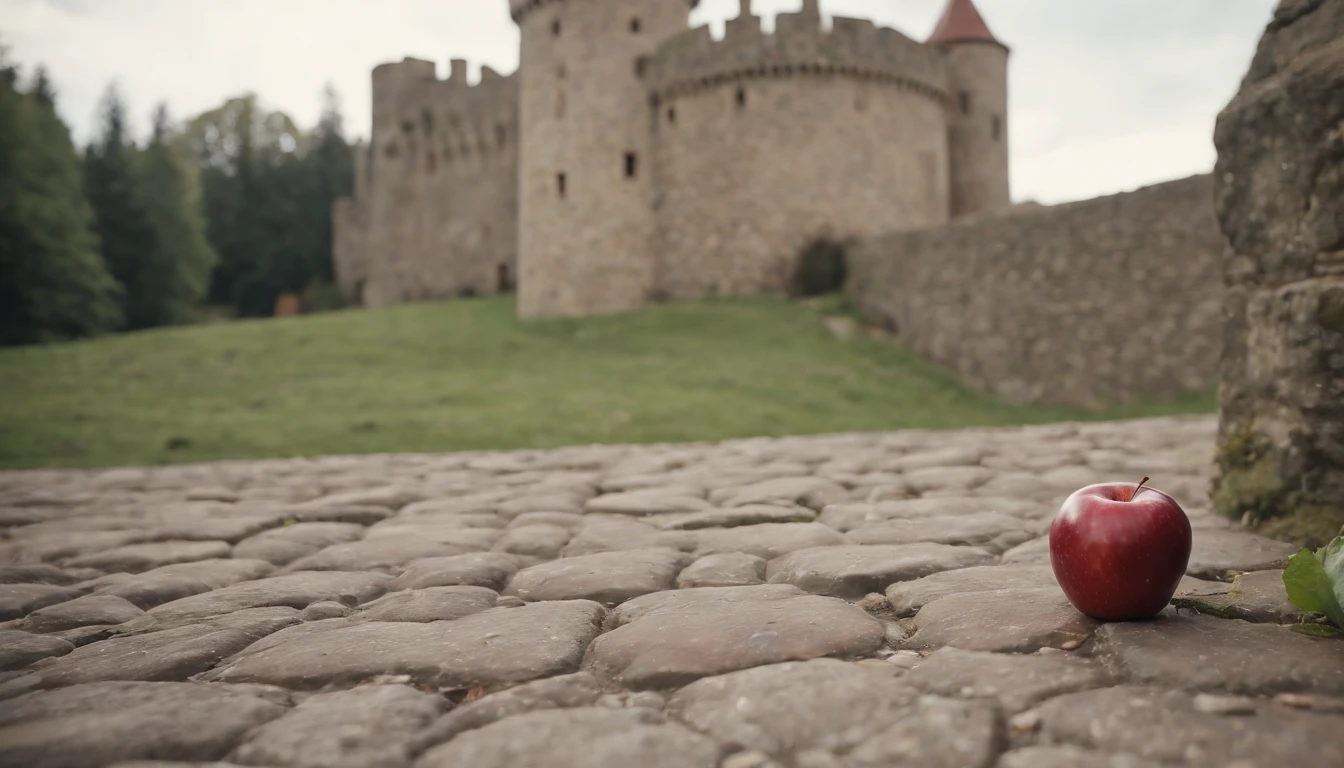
(1315, 580)
(1315, 630)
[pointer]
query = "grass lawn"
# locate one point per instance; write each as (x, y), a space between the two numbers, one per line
(467, 375)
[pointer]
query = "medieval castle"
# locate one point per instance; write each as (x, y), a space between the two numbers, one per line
(630, 160)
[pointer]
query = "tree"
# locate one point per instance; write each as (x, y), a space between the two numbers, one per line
(54, 283)
(175, 269)
(111, 179)
(269, 189)
(331, 164)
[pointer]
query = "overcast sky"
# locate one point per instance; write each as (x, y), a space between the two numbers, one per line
(1106, 95)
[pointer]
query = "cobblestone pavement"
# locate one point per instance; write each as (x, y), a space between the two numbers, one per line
(814, 602)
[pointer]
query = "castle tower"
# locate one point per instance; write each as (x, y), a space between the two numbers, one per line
(585, 193)
(978, 125)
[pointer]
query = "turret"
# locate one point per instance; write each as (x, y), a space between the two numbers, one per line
(978, 126)
(585, 184)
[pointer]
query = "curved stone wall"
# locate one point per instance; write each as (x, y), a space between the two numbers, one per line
(769, 142)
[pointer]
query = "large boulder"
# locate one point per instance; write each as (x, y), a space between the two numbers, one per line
(1280, 201)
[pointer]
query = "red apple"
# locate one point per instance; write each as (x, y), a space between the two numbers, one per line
(1119, 550)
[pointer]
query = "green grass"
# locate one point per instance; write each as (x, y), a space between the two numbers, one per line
(467, 375)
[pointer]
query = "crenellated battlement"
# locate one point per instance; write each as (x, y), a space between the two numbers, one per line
(413, 106)
(518, 9)
(798, 46)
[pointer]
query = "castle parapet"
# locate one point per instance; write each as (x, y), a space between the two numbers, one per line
(798, 46)
(520, 8)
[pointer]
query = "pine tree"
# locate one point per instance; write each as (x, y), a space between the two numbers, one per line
(175, 270)
(331, 165)
(53, 281)
(111, 181)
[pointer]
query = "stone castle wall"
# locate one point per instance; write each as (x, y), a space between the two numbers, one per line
(1111, 299)
(768, 142)
(436, 204)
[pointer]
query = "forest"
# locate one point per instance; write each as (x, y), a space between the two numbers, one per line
(212, 216)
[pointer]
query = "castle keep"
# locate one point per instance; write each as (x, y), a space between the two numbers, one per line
(631, 160)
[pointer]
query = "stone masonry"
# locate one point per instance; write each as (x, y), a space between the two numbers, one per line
(1280, 195)
(632, 160)
(838, 601)
(1114, 299)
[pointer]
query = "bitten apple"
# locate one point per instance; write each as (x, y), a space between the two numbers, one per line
(1119, 550)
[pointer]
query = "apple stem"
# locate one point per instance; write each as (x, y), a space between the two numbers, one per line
(1137, 487)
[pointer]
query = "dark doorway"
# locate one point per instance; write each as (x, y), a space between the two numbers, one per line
(504, 279)
(821, 269)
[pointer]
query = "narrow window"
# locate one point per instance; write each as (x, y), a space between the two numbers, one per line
(631, 164)
(427, 121)
(672, 114)
(964, 99)
(560, 184)
(501, 136)
(555, 28)
(641, 64)
(996, 127)
(634, 26)
(741, 97)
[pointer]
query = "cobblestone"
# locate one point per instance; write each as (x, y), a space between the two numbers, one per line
(607, 605)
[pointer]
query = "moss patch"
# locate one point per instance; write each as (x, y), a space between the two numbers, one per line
(1253, 486)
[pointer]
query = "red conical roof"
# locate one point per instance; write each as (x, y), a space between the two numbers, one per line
(962, 23)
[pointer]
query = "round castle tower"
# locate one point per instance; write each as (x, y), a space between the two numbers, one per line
(978, 123)
(586, 219)
(769, 143)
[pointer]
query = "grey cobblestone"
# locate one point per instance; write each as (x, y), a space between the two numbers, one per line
(539, 607)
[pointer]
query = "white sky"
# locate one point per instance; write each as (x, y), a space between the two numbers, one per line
(1106, 95)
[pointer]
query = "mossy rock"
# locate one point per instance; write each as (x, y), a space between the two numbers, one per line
(1254, 487)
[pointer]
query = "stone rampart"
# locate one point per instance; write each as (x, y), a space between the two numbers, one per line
(798, 46)
(768, 142)
(1111, 299)
(436, 214)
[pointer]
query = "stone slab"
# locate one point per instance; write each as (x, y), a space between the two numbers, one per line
(1163, 725)
(577, 738)
(1006, 621)
(171, 655)
(607, 577)
(502, 645)
(93, 725)
(372, 726)
(726, 569)
(491, 570)
(429, 604)
(907, 597)
(1203, 653)
(854, 571)
(1221, 555)
(80, 612)
(1016, 681)
(674, 640)
(784, 709)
